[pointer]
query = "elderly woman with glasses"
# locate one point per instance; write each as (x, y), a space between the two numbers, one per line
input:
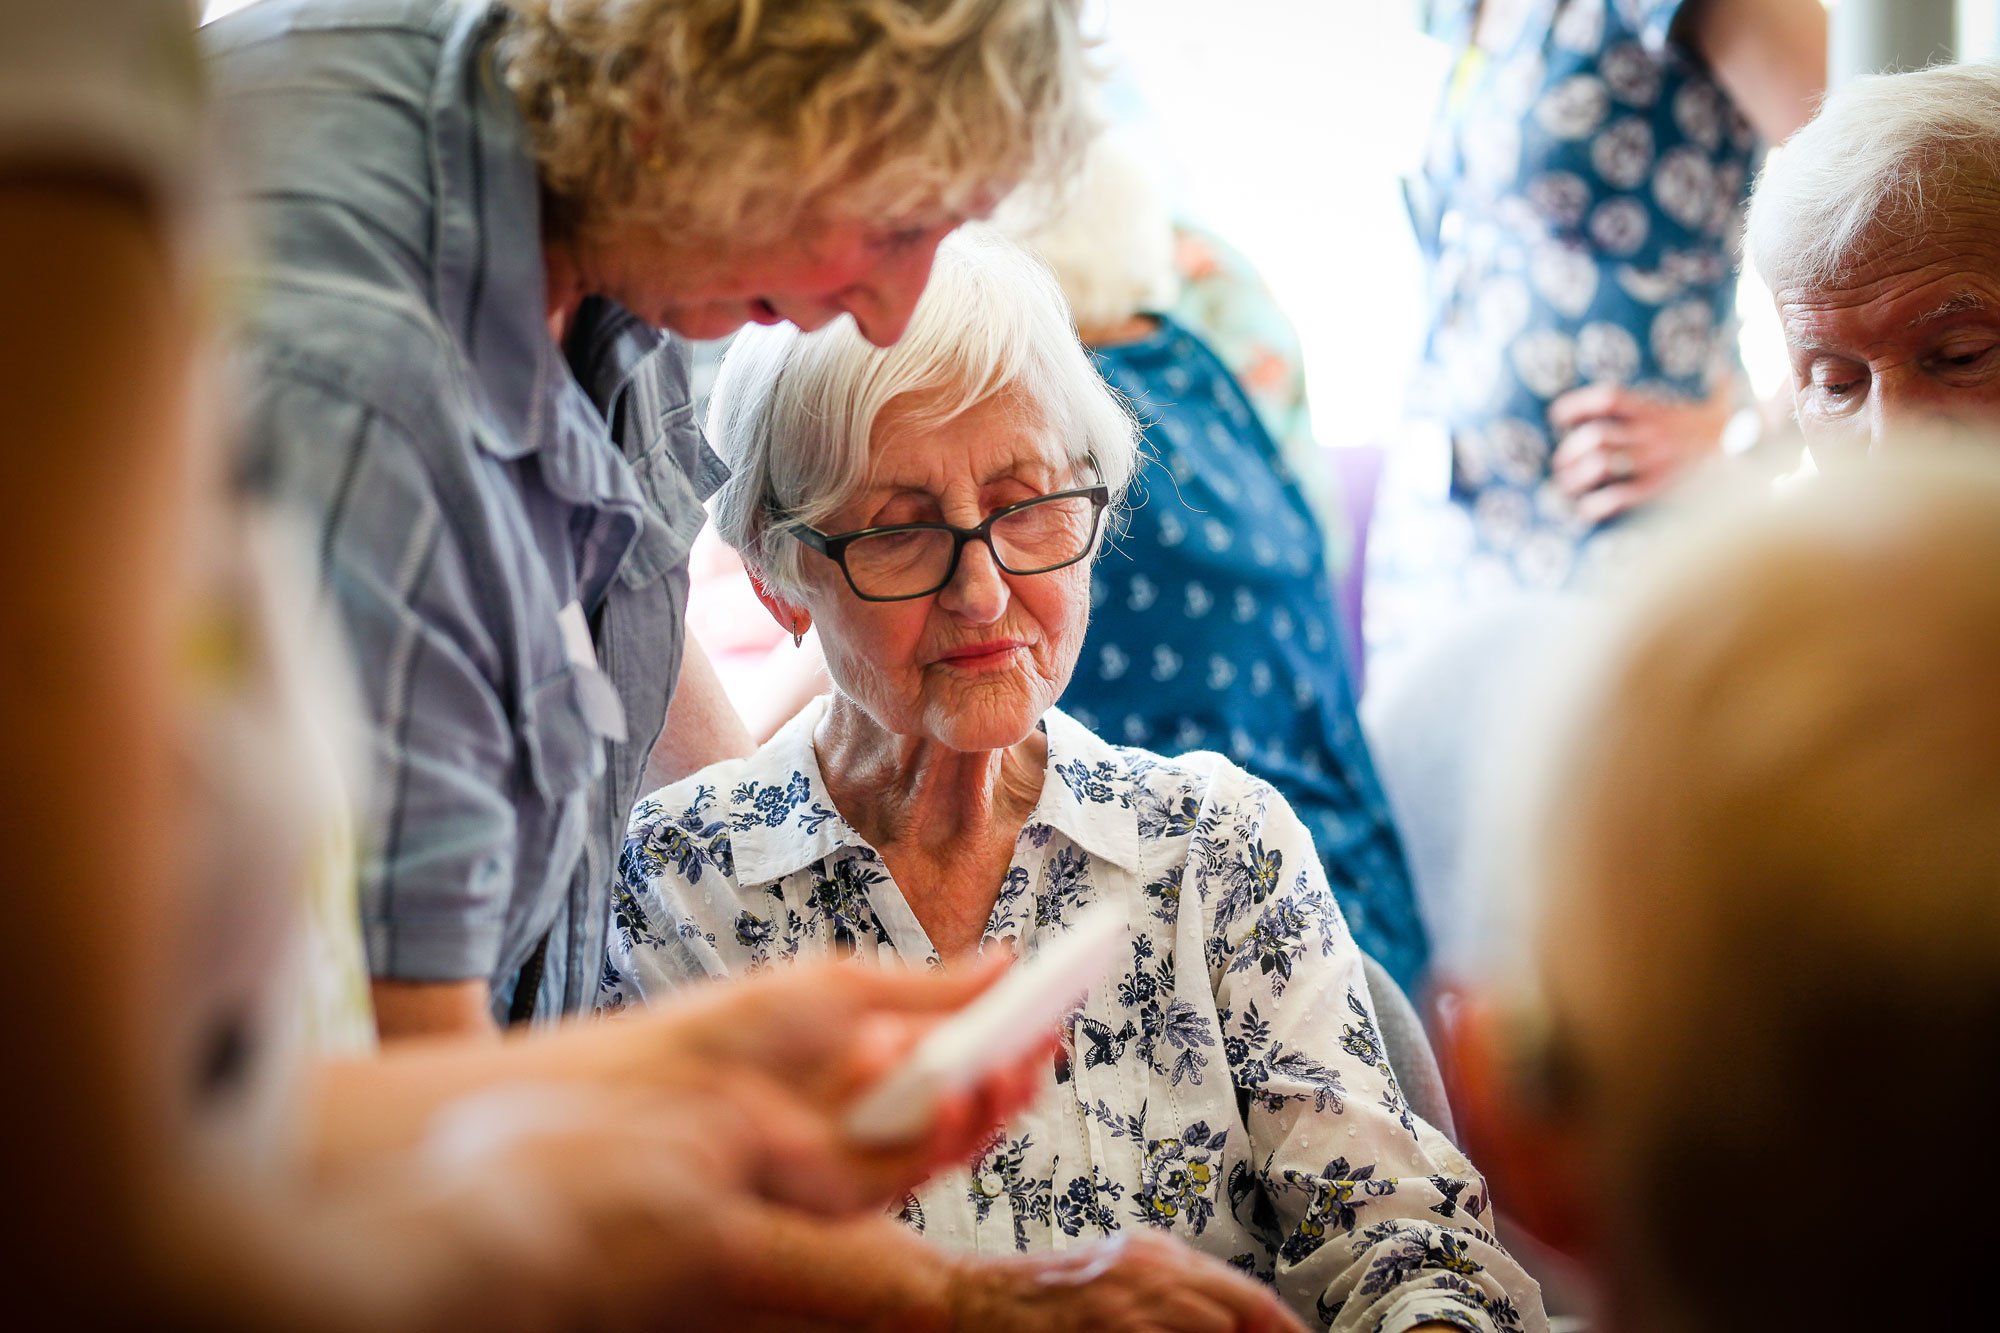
(933, 509)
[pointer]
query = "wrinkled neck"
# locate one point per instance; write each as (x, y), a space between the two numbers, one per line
(913, 791)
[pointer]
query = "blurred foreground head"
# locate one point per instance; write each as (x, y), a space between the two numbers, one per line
(1877, 229)
(1746, 1070)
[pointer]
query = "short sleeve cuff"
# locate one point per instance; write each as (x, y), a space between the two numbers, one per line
(433, 947)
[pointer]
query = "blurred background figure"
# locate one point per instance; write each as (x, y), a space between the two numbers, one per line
(100, 119)
(1758, 932)
(1220, 292)
(1213, 622)
(1579, 209)
(1222, 298)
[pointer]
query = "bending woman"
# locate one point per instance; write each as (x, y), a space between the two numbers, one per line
(933, 509)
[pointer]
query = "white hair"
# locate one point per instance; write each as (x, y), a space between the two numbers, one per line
(1880, 152)
(794, 413)
(1108, 236)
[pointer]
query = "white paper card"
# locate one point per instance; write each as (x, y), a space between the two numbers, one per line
(595, 694)
(576, 636)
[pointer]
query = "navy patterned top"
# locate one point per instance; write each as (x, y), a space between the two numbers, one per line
(1580, 207)
(1213, 627)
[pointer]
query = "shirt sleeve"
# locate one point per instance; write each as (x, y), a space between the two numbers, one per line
(1379, 1222)
(436, 836)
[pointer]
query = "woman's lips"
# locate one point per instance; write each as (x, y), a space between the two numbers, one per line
(982, 656)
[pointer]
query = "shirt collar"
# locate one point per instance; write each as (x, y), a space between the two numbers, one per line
(490, 281)
(1088, 791)
(811, 830)
(1087, 796)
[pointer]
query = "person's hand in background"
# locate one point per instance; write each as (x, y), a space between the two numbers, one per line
(1621, 447)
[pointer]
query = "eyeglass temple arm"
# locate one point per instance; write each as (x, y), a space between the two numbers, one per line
(812, 537)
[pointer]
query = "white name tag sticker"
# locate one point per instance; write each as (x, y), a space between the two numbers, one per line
(577, 646)
(595, 693)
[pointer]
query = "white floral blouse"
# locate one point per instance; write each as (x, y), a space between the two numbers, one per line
(1228, 1084)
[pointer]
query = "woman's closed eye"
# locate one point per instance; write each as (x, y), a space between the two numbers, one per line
(901, 240)
(902, 510)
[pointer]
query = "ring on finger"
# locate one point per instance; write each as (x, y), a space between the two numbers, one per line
(1618, 465)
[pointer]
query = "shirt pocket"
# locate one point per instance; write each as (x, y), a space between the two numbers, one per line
(564, 756)
(564, 752)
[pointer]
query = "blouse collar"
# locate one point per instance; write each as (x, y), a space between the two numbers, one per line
(782, 818)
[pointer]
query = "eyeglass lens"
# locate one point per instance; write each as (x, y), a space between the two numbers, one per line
(1030, 540)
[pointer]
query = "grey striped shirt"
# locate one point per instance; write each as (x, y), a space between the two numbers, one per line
(466, 480)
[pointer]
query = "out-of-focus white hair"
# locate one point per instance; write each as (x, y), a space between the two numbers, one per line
(1881, 152)
(1107, 234)
(794, 412)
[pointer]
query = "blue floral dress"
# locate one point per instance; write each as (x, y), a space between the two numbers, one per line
(1226, 1083)
(1580, 208)
(1213, 627)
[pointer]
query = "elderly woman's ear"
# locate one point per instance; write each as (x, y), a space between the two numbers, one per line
(795, 620)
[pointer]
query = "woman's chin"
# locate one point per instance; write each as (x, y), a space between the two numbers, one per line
(971, 725)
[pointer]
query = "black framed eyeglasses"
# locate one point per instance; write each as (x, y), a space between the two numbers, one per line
(906, 560)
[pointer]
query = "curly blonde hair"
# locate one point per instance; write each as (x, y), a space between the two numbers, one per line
(739, 118)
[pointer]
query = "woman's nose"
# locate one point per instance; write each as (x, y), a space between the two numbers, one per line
(978, 590)
(883, 306)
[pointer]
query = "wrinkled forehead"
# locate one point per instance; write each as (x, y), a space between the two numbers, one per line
(938, 440)
(1897, 287)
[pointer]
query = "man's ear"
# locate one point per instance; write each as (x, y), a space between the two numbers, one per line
(795, 620)
(1535, 1156)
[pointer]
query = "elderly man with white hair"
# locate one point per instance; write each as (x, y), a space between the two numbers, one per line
(1878, 232)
